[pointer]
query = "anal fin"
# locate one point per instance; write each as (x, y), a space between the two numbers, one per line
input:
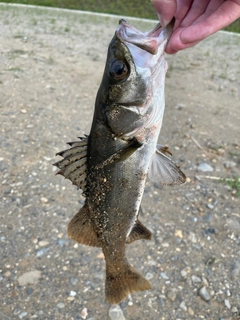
(139, 231)
(80, 229)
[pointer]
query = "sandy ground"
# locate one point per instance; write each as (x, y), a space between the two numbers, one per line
(51, 65)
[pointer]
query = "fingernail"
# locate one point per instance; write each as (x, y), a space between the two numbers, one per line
(163, 22)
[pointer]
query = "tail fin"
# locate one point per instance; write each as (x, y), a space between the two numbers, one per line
(117, 287)
(80, 229)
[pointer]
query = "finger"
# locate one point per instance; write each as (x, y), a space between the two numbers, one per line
(212, 7)
(166, 10)
(228, 12)
(183, 6)
(183, 38)
(175, 43)
(197, 9)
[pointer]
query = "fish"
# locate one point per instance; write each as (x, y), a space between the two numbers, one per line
(111, 164)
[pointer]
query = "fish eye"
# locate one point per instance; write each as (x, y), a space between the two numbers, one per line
(118, 70)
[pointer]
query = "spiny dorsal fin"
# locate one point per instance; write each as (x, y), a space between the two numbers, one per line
(73, 165)
(165, 171)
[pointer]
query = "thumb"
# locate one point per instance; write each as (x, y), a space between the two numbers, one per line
(166, 10)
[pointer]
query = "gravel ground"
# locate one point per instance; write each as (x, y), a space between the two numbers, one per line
(51, 66)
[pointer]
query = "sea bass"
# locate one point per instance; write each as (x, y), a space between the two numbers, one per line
(111, 164)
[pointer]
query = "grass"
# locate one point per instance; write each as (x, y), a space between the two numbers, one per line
(134, 8)
(234, 184)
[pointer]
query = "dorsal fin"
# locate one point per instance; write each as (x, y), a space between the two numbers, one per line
(73, 165)
(165, 171)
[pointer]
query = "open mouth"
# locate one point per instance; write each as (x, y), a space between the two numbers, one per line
(148, 41)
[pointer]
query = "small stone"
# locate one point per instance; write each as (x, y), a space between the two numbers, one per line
(227, 303)
(204, 294)
(74, 281)
(22, 315)
(29, 291)
(210, 206)
(151, 263)
(7, 274)
(23, 111)
(190, 311)
(115, 313)
(178, 233)
(180, 106)
(43, 243)
(44, 200)
(234, 310)
(164, 276)
(204, 167)
(192, 237)
(149, 275)
(84, 313)
(70, 298)
(228, 293)
(185, 272)
(235, 270)
(16, 311)
(183, 306)
(41, 252)
(196, 279)
(233, 224)
(72, 293)
(205, 282)
(61, 242)
(229, 164)
(165, 245)
(171, 295)
(60, 305)
(30, 277)
(161, 301)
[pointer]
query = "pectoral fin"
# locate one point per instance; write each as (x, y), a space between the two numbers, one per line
(165, 171)
(122, 154)
(139, 231)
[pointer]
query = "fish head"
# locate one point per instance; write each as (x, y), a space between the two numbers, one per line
(132, 89)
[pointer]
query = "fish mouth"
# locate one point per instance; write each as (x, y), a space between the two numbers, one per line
(148, 41)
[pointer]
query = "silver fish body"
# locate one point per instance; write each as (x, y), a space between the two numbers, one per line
(111, 164)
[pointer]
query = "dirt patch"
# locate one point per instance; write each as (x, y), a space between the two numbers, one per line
(51, 66)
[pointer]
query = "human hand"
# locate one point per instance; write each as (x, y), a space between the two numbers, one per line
(195, 19)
